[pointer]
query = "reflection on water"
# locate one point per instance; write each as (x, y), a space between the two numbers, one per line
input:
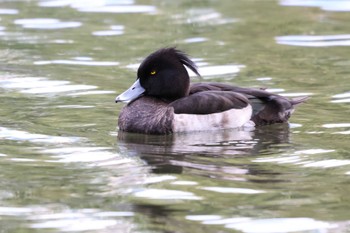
(202, 17)
(221, 142)
(77, 62)
(166, 194)
(168, 153)
(8, 11)
(46, 24)
(100, 6)
(302, 158)
(41, 85)
(65, 167)
(337, 125)
(115, 30)
(334, 5)
(120, 9)
(265, 225)
(281, 225)
(232, 190)
(71, 220)
(82, 3)
(195, 40)
(18, 135)
(341, 98)
(315, 41)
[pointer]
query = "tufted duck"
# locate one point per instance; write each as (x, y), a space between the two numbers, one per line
(162, 101)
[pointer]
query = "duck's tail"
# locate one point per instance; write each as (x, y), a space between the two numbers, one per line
(299, 100)
(276, 109)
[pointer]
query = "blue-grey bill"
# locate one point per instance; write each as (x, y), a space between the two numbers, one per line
(132, 93)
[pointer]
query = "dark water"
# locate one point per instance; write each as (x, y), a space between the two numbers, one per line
(64, 167)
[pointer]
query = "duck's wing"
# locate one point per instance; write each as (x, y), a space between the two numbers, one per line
(207, 102)
(268, 108)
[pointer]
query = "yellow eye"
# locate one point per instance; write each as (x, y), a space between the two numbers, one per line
(153, 72)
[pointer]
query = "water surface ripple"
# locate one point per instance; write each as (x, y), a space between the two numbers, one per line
(65, 166)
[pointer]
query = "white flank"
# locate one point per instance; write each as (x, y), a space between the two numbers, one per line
(230, 119)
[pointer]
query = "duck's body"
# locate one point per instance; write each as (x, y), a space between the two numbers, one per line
(154, 116)
(163, 102)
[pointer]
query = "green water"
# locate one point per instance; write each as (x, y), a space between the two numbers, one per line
(64, 167)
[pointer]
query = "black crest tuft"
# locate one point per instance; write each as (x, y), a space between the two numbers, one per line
(179, 55)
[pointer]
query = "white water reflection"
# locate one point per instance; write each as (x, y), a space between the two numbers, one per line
(101, 6)
(22, 160)
(264, 79)
(31, 38)
(184, 182)
(233, 190)
(341, 98)
(82, 220)
(203, 217)
(281, 160)
(90, 93)
(216, 219)
(83, 224)
(61, 41)
(4, 11)
(75, 106)
(82, 3)
(297, 94)
(18, 135)
(165, 194)
(343, 95)
(336, 125)
(224, 221)
(14, 211)
(128, 172)
(195, 40)
(313, 151)
(272, 225)
(202, 17)
(158, 179)
(41, 85)
(58, 89)
(77, 62)
(30, 82)
(115, 30)
(298, 157)
(120, 9)
(81, 154)
(343, 132)
(46, 23)
(302, 158)
(328, 163)
(279, 225)
(218, 70)
(72, 220)
(327, 5)
(314, 40)
(107, 33)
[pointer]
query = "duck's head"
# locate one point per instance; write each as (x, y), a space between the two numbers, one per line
(162, 75)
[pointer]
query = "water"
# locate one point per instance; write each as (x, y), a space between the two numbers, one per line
(65, 168)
